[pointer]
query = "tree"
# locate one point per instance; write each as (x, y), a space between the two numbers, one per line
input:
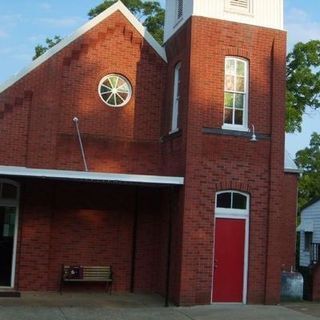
(308, 160)
(303, 82)
(150, 13)
(40, 49)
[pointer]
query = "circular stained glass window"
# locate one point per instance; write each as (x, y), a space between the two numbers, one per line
(115, 90)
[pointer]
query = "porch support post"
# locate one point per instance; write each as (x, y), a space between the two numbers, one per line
(169, 247)
(134, 241)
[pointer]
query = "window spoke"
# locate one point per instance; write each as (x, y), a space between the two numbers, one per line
(115, 90)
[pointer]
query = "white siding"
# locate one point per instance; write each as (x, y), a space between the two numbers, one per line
(310, 214)
(171, 24)
(264, 13)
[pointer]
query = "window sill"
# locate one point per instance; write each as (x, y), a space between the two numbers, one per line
(235, 133)
(235, 128)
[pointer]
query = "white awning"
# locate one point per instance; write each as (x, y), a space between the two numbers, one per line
(306, 226)
(90, 176)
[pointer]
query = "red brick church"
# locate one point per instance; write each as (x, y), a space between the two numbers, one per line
(164, 162)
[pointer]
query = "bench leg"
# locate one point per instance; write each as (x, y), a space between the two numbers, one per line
(109, 287)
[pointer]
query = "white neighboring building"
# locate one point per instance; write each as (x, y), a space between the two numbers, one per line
(309, 229)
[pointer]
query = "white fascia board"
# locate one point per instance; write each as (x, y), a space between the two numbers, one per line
(90, 176)
(118, 6)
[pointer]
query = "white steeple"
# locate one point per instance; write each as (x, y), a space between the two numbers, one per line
(263, 13)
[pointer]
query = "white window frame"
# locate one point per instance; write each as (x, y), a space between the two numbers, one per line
(176, 98)
(12, 203)
(244, 126)
(242, 214)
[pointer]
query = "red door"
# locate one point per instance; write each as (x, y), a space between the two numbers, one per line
(229, 260)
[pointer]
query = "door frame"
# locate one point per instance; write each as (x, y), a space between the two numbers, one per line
(239, 214)
(12, 203)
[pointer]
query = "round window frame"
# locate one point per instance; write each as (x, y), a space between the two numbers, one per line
(128, 83)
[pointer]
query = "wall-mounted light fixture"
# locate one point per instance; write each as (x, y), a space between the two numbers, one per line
(253, 136)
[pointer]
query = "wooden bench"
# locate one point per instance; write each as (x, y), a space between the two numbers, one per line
(86, 274)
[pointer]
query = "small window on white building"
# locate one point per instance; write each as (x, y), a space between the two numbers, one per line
(236, 94)
(179, 9)
(308, 241)
(239, 6)
(176, 98)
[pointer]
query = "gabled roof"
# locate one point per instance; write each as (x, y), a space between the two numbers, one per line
(289, 164)
(118, 6)
(310, 203)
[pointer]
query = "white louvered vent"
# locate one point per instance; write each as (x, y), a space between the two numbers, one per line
(179, 9)
(239, 6)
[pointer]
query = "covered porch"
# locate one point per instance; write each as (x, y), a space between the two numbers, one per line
(81, 218)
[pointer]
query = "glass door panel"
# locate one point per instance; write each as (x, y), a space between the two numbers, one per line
(7, 231)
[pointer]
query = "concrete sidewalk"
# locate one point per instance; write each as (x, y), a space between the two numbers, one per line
(134, 307)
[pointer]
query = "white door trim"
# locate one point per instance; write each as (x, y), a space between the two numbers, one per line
(224, 213)
(12, 203)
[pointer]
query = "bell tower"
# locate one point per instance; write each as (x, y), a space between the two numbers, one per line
(226, 107)
(255, 12)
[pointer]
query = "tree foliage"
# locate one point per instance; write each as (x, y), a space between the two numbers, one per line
(40, 49)
(308, 160)
(150, 13)
(303, 82)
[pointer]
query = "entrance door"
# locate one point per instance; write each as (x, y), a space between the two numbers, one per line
(229, 258)
(7, 233)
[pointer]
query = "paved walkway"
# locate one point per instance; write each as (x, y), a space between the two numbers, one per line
(140, 307)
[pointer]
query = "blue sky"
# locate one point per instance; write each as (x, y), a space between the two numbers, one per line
(24, 24)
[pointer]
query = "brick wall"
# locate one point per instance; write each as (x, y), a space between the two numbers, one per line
(36, 126)
(36, 112)
(216, 162)
(82, 224)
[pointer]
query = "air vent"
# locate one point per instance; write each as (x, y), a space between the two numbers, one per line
(239, 6)
(179, 9)
(240, 3)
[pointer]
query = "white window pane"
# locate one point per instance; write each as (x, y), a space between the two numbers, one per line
(239, 201)
(230, 83)
(228, 116)
(240, 68)
(238, 117)
(240, 84)
(224, 200)
(230, 66)
(228, 99)
(239, 101)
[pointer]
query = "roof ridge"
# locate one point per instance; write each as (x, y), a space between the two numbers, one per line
(118, 6)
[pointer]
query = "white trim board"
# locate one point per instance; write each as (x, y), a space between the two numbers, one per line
(90, 176)
(118, 6)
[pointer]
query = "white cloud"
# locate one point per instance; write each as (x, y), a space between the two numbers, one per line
(61, 22)
(300, 27)
(45, 6)
(3, 34)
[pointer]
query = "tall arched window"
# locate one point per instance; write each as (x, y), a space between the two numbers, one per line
(236, 94)
(176, 98)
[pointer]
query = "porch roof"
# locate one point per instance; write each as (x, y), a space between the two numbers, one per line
(90, 176)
